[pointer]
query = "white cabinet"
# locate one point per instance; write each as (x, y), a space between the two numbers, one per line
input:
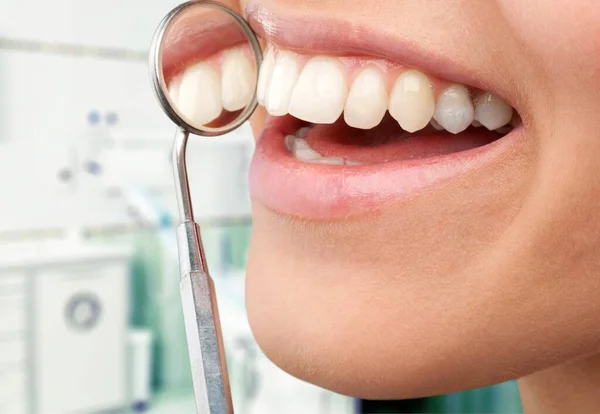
(63, 325)
(80, 322)
(13, 313)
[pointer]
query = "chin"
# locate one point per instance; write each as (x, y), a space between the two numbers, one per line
(331, 304)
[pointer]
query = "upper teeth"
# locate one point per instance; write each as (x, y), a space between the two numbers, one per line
(367, 100)
(491, 111)
(454, 110)
(319, 89)
(223, 82)
(412, 102)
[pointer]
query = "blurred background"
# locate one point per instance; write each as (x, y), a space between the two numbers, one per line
(90, 319)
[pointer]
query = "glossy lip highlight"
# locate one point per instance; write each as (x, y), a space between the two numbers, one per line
(320, 192)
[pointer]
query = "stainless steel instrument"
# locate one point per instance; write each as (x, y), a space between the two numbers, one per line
(199, 32)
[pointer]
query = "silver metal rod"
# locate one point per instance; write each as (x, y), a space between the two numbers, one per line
(205, 345)
(199, 301)
(182, 185)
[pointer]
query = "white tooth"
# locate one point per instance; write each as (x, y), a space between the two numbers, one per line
(289, 142)
(411, 102)
(435, 125)
(238, 79)
(283, 80)
(174, 88)
(367, 101)
(329, 161)
(476, 123)
(303, 132)
(321, 91)
(200, 94)
(454, 110)
(300, 143)
(306, 154)
(266, 71)
(492, 112)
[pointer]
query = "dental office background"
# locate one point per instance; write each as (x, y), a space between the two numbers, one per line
(90, 320)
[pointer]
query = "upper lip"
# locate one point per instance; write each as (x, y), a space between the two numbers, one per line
(313, 34)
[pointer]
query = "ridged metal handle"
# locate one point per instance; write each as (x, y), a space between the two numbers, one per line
(205, 344)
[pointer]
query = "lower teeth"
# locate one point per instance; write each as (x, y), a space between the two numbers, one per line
(298, 146)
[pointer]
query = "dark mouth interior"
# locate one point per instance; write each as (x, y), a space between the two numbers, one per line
(389, 142)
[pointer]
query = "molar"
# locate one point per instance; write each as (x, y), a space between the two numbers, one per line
(454, 109)
(492, 112)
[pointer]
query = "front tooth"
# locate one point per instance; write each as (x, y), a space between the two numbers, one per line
(238, 80)
(200, 94)
(454, 109)
(411, 102)
(321, 91)
(283, 80)
(266, 71)
(492, 112)
(367, 101)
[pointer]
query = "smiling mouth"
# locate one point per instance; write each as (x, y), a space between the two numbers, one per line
(351, 131)
(359, 111)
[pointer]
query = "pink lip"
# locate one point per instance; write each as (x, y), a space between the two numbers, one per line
(314, 191)
(316, 34)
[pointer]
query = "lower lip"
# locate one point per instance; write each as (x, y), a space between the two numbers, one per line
(291, 187)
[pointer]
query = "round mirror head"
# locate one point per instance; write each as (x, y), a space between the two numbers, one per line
(204, 68)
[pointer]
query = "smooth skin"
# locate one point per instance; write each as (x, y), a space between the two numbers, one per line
(492, 277)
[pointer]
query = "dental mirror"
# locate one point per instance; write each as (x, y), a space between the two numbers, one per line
(204, 64)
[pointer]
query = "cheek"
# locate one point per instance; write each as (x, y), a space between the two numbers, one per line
(564, 34)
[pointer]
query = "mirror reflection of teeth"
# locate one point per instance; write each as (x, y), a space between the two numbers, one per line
(319, 89)
(202, 91)
(238, 80)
